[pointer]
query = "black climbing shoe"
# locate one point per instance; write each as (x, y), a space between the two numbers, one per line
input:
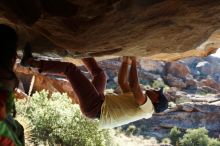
(27, 54)
(162, 105)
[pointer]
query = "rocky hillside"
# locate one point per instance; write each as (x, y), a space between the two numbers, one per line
(190, 111)
(193, 75)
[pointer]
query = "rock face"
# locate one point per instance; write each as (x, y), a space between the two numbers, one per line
(211, 83)
(119, 27)
(42, 82)
(177, 69)
(195, 74)
(178, 75)
(153, 66)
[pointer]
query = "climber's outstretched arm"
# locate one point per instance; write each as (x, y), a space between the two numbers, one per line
(123, 75)
(134, 83)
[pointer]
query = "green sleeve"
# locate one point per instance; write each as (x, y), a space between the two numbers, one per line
(5, 131)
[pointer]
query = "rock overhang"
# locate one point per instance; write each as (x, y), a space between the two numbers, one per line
(115, 27)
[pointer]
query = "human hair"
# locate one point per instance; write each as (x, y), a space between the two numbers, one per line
(8, 45)
(8, 52)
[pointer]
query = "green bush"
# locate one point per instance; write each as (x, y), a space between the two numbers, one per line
(166, 141)
(214, 142)
(195, 137)
(131, 130)
(158, 83)
(175, 135)
(57, 121)
(192, 137)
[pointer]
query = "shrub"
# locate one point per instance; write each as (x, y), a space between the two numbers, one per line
(131, 130)
(195, 137)
(175, 135)
(166, 141)
(57, 121)
(214, 142)
(158, 83)
(192, 137)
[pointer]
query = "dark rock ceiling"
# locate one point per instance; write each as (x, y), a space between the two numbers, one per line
(78, 28)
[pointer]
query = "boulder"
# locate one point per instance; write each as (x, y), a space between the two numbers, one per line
(184, 116)
(119, 27)
(156, 67)
(148, 78)
(210, 83)
(173, 81)
(177, 69)
(33, 81)
(206, 90)
(217, 95)
(191, 84)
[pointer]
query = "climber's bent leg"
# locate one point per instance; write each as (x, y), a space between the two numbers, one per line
(98, 74)
(90, 99)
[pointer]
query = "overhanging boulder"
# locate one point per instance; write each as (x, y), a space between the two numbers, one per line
(116, 27)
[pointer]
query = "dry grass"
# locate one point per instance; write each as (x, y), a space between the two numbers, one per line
(27, 129)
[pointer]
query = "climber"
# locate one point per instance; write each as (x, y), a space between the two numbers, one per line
(11, 132)
(112, 110)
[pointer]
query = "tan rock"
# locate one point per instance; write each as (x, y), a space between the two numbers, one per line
(119, 27)
(210, 83)
(173, 81)
(45, 82)
(177, 69)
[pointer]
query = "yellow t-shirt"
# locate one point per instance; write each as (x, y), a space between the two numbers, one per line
(122, 109)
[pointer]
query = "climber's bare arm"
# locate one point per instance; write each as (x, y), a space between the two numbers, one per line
(134, 83)
(123, 75)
